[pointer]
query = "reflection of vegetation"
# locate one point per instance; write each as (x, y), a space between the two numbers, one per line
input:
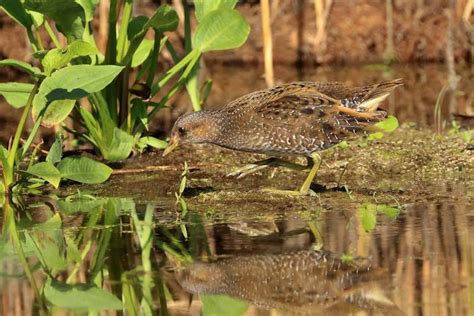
(368, 213)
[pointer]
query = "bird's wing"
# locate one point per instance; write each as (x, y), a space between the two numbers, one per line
(303, 110)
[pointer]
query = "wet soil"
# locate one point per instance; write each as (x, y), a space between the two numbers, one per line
(407, 165)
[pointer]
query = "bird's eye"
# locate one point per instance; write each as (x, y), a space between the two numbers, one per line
(182, 131)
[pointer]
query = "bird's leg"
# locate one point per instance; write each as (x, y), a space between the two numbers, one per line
(316, 162)
(261, 164)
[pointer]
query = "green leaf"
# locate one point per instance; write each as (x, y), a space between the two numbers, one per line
(221, 29)
(117, 147)
(34, 71)
(69, 16)
(165, 19)
(389, 124)
(216, 305)
(368, 216)
(142, 52)
(203, 7)
(56, 151)
(84, 170)
(72, 83)
(15, 9)
(80, 296)
(89, 8)
(57, 112)
(46, 171)
(153, 142)
(4, 156)
(136, 27)
(16, 93)
(58, 57)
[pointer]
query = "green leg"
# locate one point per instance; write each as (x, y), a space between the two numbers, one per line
(312, 173)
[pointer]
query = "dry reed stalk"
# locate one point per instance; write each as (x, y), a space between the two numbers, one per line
(322, 9)
(389, 54)
(103, 25)
(267, 42)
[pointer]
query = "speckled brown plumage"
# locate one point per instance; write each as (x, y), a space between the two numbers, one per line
(305, 281)
(292, 119)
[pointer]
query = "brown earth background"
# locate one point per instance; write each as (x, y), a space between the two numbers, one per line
(356, 32)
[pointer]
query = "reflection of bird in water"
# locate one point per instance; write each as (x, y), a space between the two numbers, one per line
(299, 118)
(299, 282)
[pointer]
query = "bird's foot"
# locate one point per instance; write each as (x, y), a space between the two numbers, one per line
(290, 192)
(253, 167)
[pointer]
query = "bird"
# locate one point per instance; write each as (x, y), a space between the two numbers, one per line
(293, 119)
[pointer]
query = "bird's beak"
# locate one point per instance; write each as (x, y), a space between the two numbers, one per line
(171, 146)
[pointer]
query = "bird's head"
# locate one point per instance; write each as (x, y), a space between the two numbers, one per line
(192, 128)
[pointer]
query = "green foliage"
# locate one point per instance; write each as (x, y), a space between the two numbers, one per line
(114, 122)
(84, 170)
(388, 125)
(16, 93)
(214, 305)
(72, 83)
(368, 214)
(221, 29)
(203, 7)
(80, 296)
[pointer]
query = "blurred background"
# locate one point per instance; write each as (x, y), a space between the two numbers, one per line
(429, 43)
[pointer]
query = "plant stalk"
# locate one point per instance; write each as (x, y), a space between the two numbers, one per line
(9, 170)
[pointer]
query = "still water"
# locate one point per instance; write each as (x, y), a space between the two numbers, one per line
(90, 253)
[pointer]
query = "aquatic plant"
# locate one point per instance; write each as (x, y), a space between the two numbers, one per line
(94, 87)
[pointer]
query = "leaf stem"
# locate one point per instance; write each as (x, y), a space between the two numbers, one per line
(8, 176)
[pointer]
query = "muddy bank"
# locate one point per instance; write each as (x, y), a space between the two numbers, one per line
(406, 166)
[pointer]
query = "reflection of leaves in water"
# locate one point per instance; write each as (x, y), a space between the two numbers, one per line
(216, 305)
(368, 213)
(79, 296)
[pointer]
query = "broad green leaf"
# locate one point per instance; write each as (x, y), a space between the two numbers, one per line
(368, 214)
(56, 151)
(203, 7)
(46, 171)
(80, 296)
(34, 71)
(16, 93)
(69, 16)
(216, 305)
(15, 9)
(72, 83)
(221, 29)
(58, 57)
(142, 52)
(389, 124)
(84, 170)
(57, 112)
(154, 142)
(165, 19)
(118, 147)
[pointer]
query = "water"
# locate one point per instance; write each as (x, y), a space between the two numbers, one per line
(416, 259)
